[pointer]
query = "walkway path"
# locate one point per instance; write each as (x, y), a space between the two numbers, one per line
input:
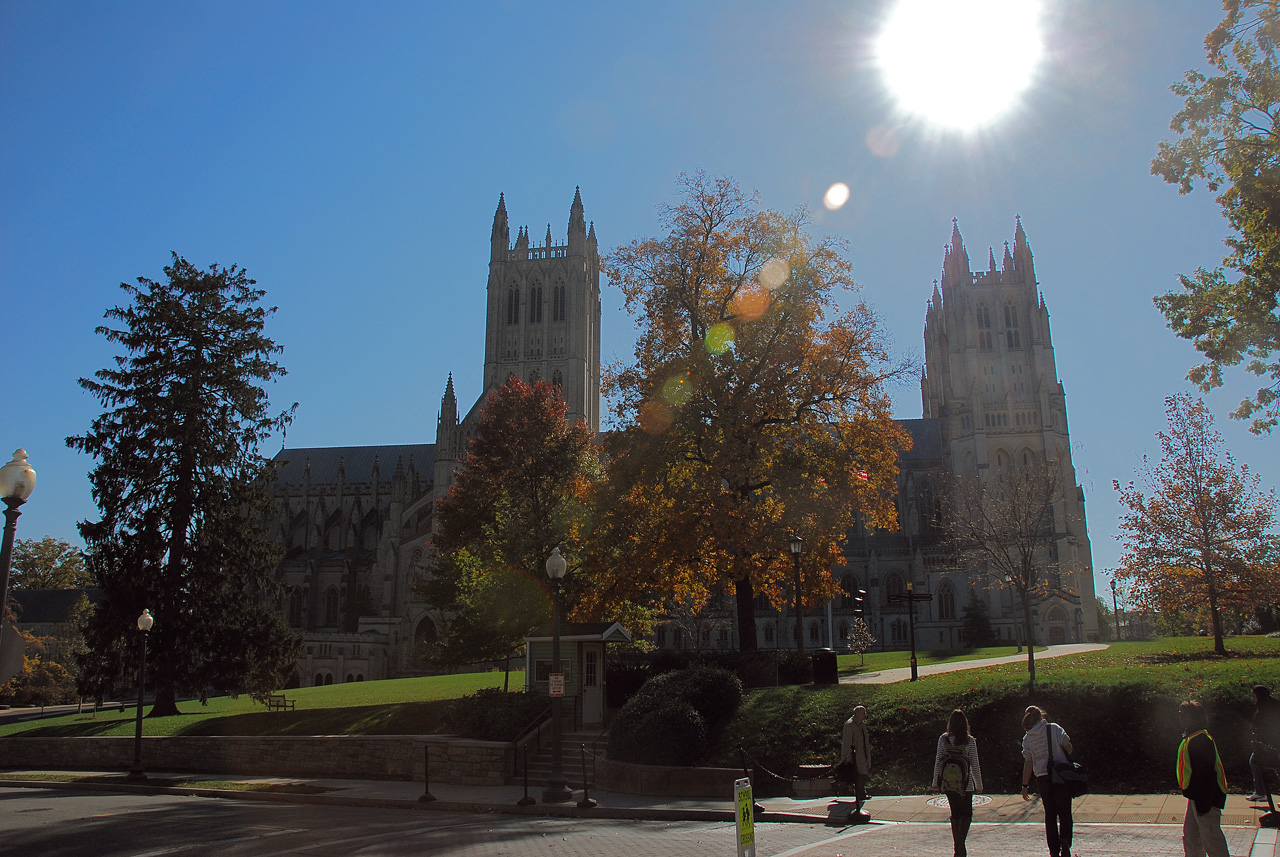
(904, 674)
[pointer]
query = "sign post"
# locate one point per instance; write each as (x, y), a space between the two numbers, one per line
(743, 817)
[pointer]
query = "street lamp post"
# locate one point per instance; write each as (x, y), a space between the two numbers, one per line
(1115, 608)
(911, 597)
(17, 481)
(557, 789)
(145, 621)
(797, 547)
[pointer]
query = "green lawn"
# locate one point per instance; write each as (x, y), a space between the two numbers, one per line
(1119, 705)
(880, 661)
(409, 706)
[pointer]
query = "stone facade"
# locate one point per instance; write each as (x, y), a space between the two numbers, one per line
(357, 540)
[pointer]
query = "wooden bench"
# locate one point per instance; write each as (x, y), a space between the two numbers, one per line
(279, 702)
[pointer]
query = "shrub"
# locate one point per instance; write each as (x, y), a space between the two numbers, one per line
(659, 731)
(794, 668)
(493, 714)
(672, 718)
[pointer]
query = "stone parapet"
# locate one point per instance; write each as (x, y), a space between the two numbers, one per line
(456, 761)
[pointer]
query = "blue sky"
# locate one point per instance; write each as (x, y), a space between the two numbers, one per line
(350, 157)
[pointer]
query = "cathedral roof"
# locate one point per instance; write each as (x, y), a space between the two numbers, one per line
(926, 437)
(357, 462)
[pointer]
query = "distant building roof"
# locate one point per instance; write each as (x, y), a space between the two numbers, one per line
(608, 632)
(357, 462)
(45, 606)
(926, 435)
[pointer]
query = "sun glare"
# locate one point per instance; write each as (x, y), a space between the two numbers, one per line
(960, 63)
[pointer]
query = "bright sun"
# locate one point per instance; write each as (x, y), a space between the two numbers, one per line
(960, 63)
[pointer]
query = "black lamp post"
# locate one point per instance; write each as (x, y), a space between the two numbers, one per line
(1115, 608)
(145, 621)
(797, 548)
(911, 597)
(17, 481)
(557, 789)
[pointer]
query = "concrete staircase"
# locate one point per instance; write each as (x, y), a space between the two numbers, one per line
(593, 737)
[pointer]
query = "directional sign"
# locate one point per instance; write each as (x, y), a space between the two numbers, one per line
(743, 817)
(13, 648)
(555, 684)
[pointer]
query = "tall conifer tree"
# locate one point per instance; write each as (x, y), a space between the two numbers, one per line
(179, 485)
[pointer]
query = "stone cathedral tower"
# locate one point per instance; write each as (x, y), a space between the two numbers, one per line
(542, 321)
(991, 381)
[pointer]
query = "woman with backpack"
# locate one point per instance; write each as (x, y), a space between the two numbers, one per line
(957, 774)
(1044, 744)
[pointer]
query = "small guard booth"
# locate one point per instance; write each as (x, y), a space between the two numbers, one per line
(582, 662)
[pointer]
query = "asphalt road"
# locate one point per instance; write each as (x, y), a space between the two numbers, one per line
(84, 824)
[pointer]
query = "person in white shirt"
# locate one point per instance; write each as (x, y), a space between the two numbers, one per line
(1043, 744)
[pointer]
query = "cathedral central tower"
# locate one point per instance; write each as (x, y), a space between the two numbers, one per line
(543, 316)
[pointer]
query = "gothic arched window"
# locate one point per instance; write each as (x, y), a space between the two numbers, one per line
(557, 302)
(947, 601)
(984, 328)
(768, 632)
(893, 584)
(535, 303)
(295, 608)
(557, 378)
(331, 606)
(815, 632)
(1011, 326)
(513, 305)
(898, 631)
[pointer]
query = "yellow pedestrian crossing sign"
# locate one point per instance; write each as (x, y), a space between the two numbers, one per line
(746, 825)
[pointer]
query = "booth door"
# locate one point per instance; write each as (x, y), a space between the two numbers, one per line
(592, 683)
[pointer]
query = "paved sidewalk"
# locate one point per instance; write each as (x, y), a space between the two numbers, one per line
(904, 673)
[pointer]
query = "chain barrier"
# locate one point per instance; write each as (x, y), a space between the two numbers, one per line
(756, 762)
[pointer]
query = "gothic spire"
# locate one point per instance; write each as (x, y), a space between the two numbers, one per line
(576, 221)
(500, 218)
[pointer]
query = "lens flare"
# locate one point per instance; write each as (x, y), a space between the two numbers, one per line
(883, 142)
(719, 338)
(655, 417)
(678, 389)
(750, 303)
(836, 196)
(774, 273)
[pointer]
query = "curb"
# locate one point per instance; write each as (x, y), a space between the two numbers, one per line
(567, 810)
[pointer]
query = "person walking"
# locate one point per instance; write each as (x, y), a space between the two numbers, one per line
(957, 774)
(855, 751)
(1265, 747)
(1043, 744)
(1203, 783)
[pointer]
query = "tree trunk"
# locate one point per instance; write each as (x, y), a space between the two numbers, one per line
(1031, 639)
(1215, 619)
(166, 704)
(745, 599)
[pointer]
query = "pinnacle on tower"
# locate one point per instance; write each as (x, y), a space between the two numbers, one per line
(548, 244)
(992, 266)
(500, 216)
(576, 221)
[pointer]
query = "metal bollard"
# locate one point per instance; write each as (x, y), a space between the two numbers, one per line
(586, 802)
(427, 796)
(526, 800)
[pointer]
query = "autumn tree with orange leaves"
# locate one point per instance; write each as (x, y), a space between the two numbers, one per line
(519, 494)
(1199, 529)
(755, 408)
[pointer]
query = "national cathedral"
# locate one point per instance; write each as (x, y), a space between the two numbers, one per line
(355, 522)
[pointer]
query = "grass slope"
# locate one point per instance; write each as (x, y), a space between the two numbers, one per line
(1118, 705)
(407, 706)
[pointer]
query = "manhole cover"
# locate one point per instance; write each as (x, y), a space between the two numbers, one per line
(941, 801)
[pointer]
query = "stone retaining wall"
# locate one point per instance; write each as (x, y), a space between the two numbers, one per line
(455, 761)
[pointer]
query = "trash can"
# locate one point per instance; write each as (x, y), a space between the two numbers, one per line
(824, 667)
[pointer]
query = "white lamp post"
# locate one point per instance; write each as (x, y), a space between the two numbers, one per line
(145, 621)
(17, 481)
(557, 789)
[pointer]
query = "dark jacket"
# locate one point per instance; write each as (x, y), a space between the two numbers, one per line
(1200, 774)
